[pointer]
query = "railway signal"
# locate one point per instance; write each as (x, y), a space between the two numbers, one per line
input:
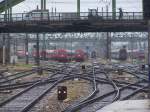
(120, 71)
(143, 67)
(83, 67)
(62, 93)
(40, 71)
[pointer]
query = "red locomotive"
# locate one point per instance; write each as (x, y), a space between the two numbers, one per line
(60, 55)
(79, 55)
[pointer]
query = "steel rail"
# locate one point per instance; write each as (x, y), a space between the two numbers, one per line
(83, 104)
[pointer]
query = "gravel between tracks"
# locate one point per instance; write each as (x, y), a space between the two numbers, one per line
(76, 90)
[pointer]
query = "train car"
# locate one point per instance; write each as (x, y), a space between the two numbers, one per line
(79, 55)
(70, 54)
(61, 55)
(21, 54)
(50, 54)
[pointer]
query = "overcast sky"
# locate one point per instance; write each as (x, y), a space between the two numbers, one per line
(70, 5)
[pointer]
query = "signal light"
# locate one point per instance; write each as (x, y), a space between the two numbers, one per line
(83, 67)
(62, 93)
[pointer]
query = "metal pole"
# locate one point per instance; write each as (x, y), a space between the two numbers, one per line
(44, 4)
(132, 47)
(9, 48)
(41, 4)
(26, 49)
(78, 7)
(4, 50)
(107, 11)
(71, 48)
(149, 43)
(10, 13)
(37, 50)
(114, 9)
(108, 46)
(6, 5)
(44, 48)
(149, 54)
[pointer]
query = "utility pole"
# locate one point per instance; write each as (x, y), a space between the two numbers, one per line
(149, 55)
(9, 48)
(6, 11)
(37, 50)
(149, 42)
(4, 50)
(132, 42)
(43, 4)
(26, 49)
(44, 48)
(114, 9)
(78, 7)
(108, 44)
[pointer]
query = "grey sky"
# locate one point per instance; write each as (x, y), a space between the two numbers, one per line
(70, 5)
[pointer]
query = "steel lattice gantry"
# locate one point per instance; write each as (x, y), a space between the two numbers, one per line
(104, 22)
(6, 4)
(85, 37)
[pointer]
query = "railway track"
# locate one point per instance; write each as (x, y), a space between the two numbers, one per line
(133, 70)
(10, 78)
(56, 72)
(96, 74)
(24, 100)
(98, 102)
(27, 98)
(122, 90)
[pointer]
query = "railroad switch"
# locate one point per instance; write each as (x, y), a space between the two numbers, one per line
(120, 71)
(40, 71)
(6, 92)
(62, 93)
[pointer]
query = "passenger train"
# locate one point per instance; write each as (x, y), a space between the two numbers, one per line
(60, 55)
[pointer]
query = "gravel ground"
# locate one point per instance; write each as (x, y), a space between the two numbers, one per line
(76, 90)
(140, 96)
(124, 77)
(7, 94)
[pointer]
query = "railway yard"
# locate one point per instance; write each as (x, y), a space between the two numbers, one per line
(89, 89)
(74, 55)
